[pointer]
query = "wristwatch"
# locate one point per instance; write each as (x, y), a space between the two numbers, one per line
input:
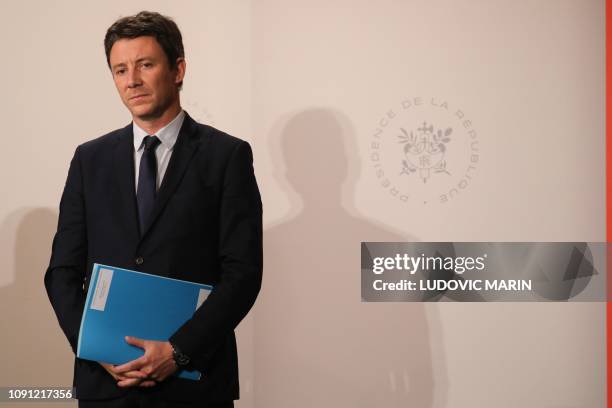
(181, 359)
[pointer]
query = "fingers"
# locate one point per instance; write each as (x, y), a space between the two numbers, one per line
(127, 377)
(135, 341)
(154, 366)
(114, 370)
(133, 382)
(134, 374)
(133, 365)
(109, 369)
(130, 382)
(136, 379)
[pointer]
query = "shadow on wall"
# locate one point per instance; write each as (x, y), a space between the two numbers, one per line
(34, 349)
(316, 343)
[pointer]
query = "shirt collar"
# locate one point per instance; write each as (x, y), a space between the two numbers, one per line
(167, 135)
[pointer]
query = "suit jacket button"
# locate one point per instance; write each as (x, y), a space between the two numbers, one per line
(139, 260)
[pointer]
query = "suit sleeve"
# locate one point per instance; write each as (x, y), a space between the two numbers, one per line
(65, 275)
(240, 252)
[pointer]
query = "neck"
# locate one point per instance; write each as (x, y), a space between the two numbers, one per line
(152, 125)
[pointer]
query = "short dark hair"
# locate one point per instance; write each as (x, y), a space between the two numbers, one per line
(147, 23)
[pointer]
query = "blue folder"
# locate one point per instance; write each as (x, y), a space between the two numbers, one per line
(123, 303)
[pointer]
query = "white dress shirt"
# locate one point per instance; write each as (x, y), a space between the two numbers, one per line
(167, 135)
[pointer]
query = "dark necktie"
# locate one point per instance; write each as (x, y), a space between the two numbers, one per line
(147, 176)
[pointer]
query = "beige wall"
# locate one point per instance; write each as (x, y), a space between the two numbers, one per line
(308, 84)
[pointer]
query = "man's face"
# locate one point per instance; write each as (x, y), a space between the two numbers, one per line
(142, 75)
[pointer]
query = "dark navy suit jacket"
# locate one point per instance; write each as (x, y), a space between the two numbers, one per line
(206, 227)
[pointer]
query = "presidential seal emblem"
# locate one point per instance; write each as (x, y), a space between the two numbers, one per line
(424, 150)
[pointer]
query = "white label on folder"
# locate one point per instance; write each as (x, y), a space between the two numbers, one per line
(102, 287)
(202, 297)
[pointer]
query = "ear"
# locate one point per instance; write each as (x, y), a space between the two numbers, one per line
(180, 70)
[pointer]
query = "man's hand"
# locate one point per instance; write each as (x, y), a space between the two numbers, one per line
(157, 364)
(128, 379)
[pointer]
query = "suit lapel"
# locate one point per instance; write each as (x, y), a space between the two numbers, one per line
(123, 165)
(184, 149)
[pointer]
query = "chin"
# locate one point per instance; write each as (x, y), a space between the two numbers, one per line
(143, 112)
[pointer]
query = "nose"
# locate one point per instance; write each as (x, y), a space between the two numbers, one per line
(134, 79)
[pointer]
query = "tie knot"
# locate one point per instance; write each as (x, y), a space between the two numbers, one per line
(151, 142)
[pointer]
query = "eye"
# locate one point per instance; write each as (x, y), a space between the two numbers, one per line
(120, 71)
(147, 64)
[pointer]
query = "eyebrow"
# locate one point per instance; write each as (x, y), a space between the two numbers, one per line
(123, 64)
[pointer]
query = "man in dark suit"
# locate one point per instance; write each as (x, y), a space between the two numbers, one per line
(167, 196)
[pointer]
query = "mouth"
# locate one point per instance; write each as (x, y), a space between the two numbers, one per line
(137, 97)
